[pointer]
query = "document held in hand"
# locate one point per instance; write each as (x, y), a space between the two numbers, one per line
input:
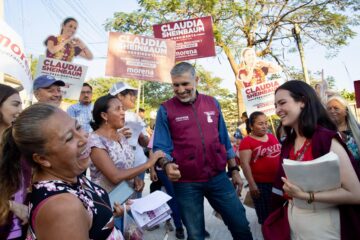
(318, 175)
(151, 209)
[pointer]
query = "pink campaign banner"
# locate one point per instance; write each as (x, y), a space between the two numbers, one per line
(194, 37)
(140, 57)
(357, 92)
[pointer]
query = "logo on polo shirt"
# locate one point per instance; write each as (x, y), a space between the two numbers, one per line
(208, 116)
(182, 118)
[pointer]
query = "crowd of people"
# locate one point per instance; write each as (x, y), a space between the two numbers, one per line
(45, 154)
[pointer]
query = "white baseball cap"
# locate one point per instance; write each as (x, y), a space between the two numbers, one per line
(119, 87)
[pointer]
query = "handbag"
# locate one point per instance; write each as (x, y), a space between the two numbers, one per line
(276, 225)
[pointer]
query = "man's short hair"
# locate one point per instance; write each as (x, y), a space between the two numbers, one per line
(87, 85)
(181, 68)
(141, 110)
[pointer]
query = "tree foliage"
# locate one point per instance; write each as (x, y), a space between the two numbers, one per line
(251, 23)
(257, 23)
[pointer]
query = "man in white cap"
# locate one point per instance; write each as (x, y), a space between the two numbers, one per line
(139, 139)
(47, 90)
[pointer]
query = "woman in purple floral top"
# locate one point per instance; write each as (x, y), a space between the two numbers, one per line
(62, 205)
(111, 155)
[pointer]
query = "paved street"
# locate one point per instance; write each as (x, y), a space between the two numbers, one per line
(215, 226)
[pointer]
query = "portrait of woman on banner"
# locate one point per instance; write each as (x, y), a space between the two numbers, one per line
(66, 46)
(253, 71)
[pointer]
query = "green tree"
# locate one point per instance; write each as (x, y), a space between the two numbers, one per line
(258, 23)
(349, 96)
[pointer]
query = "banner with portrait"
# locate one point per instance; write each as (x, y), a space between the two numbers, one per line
(72, 74)
(194, 37)
(261, 97)
(140, 57)
(13, 59)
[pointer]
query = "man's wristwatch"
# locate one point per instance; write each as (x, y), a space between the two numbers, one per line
(231, 169)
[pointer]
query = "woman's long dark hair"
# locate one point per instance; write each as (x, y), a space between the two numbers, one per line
(100, 105)
(313, 113)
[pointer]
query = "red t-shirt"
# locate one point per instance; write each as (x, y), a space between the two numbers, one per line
(265, 157)
(303, 154)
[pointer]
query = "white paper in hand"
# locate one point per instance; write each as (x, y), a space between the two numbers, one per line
(136, 129)
(318, 175)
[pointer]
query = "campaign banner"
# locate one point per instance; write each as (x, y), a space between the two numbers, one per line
(72, 74)
(194, 37)
(13, 59)
(140, 57)
(261, 97)
(357, 92)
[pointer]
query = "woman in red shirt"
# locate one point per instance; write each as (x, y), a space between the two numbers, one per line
(311, 134)
(259, 156)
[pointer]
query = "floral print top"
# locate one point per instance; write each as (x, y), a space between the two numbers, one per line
(94, 198)
(66, 54)
(120, 153)
(349, 140)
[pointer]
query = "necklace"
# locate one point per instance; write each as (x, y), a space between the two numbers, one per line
(299, 154)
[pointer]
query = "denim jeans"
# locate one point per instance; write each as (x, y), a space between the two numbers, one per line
(172, 202)
(221, 195)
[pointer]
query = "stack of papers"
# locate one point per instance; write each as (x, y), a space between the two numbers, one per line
(151, 209)
(318, 175)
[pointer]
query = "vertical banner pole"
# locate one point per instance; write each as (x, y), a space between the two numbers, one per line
(272, 125)
(138, 97)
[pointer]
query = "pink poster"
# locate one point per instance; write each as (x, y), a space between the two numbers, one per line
(140, 57)
(194, 37)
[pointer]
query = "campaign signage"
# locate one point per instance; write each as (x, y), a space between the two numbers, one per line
(13, 59)
(357, 92)
(72, 74)
(261, 97)
(140, 57)
(194, 37)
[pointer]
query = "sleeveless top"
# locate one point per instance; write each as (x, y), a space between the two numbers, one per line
(93, 197)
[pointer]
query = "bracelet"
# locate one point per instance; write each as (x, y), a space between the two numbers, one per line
(162, 162)
(165, 164)
(231, 169)
(311, 197)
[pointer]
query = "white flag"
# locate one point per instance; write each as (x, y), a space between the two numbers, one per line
(12, 56)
